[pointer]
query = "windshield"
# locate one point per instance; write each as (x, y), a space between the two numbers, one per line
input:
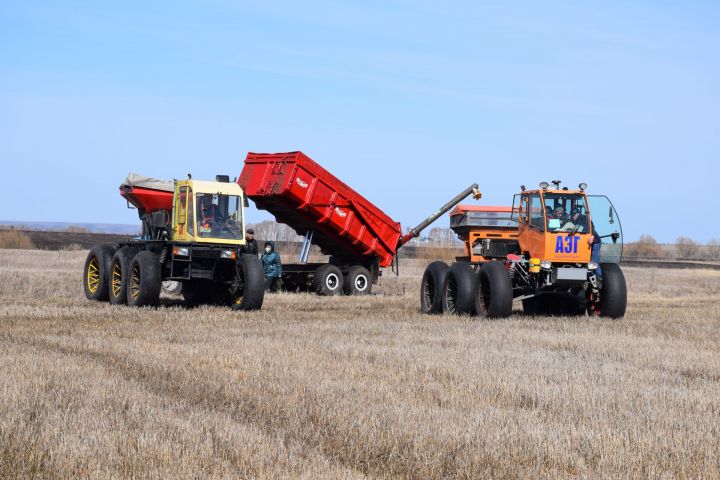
(565, 212)
(219, 216)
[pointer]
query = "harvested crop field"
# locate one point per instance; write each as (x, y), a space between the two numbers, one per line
(358, 387)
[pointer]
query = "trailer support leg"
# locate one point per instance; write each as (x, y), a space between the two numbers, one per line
(305, 249)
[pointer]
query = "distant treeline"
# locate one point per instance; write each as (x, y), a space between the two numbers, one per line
(440, 242)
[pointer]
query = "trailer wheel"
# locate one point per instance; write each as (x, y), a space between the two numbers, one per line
(431, 287)
(357, 281)
(328, 280)
(494, 293)
(613, 293)
(249, 287)
(119, 274)
(96, 273)
(459, 289)
(145, 280)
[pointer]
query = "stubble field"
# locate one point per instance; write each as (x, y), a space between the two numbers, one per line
(342, 387)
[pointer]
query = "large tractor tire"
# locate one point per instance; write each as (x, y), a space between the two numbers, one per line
(96, 273)
(494, 293)
(145, 280)
(357, 281)
(459, 289)
(535, 306)
(554, 305)
(613, 293)
(197, 292)
(249, 290)
(431, 288)
(119, 275)
(328, 280)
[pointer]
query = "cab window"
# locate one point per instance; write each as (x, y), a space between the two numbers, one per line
(566, 212)
(191, 219)
(219, 216)
(536, 213)
(181, 205)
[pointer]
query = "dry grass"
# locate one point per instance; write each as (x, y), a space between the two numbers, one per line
(13, 239)
(353, 387)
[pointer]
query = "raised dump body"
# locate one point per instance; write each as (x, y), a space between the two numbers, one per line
(302, 194)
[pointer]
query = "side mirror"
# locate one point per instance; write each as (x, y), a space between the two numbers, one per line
(246, 202)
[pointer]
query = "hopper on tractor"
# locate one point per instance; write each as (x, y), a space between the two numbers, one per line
(555, 249)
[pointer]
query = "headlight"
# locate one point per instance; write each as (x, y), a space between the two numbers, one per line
(544, 185)
(546, 264)
(181, 251)
(582, 186)
(231, 254)
(592, 266)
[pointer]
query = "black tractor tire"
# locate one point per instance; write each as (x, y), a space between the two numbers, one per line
(535, 306)
(357, 281)
(494, 295)
(249, 292)
(431, 288)
(554, 305)
(119, 275)
(328, 280)
(459, 289)
(613, 293)
(574, 306)
(96, 273)
(145, 280)
(197, 292)
(221, 294)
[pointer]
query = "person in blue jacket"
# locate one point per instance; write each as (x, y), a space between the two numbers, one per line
(273, 268)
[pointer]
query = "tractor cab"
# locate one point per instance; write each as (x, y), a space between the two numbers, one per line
(560, 226)
(208, 212)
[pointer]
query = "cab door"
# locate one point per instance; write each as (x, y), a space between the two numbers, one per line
(531, 224)
(606, 223)
(183, 218)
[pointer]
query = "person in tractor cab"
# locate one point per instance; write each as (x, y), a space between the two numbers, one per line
(558, 213)
(578, 220)
(273, 267)
(209, 212)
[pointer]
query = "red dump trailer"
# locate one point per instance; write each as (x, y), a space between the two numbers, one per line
(359, 237)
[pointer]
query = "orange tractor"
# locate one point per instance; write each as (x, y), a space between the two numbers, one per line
(555, 249)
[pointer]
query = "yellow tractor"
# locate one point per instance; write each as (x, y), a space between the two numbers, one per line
(193, 233)
(555, 249)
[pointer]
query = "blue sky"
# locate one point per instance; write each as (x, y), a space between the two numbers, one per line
(406, 101)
